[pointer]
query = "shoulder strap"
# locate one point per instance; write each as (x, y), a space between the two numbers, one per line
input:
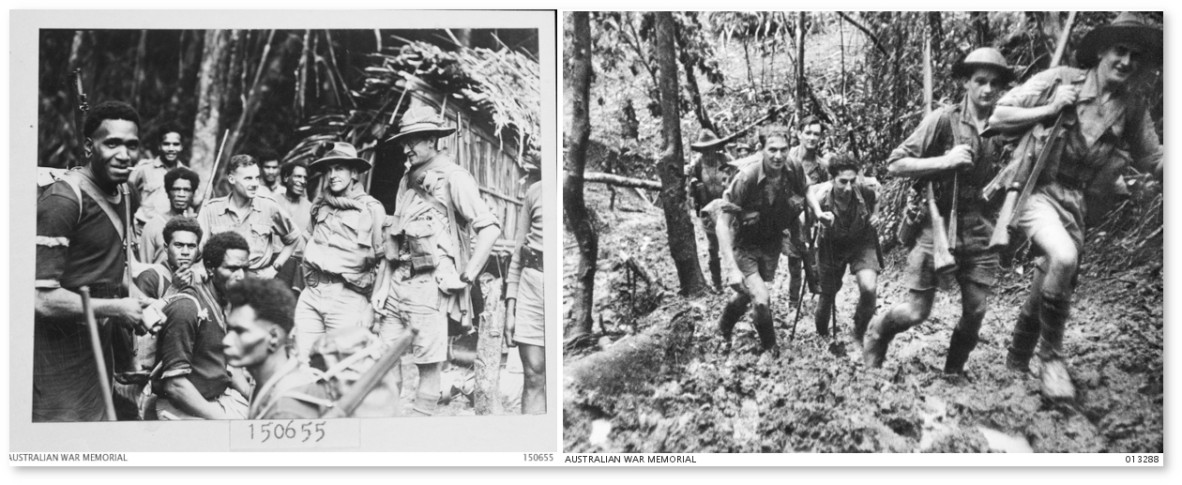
(82, 183)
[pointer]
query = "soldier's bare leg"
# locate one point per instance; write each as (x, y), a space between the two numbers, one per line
(867, 299)
(897, 319)
(761, 311)
(1062, 262)
(533, 392)
(974, 301)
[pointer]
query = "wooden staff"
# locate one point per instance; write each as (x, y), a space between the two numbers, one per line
(97, 348)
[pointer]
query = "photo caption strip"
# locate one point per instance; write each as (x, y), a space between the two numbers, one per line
(278, 455)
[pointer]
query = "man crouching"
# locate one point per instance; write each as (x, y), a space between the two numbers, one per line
(258, 331)
(762, 200)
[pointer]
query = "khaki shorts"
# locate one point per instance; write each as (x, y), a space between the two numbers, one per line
(530, 321)
(1054, 205)
(858, 257)
(416, 304)
(758, 260)
(979, 267)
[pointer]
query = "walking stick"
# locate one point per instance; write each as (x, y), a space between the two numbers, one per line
(97, 349)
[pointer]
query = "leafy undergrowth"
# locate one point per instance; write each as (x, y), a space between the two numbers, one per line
(683, 395)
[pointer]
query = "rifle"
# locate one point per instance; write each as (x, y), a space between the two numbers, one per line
(351, 400)
(97, 349)
(941, 252)
(79, 114)
(1019, 177)
(943, 257)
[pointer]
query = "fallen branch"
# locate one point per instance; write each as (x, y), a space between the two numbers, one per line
(619, 180)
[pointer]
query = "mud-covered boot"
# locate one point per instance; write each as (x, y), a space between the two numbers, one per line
(726, 323)
(1056, 382)
(878, 338)
(1021, 350)
(1055, 378)
(959, 348)
(1024, 338)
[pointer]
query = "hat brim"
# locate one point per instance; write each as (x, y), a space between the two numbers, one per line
(424, 129)
(703, 146)
(1148, 37)
(323, 163)
(965, 70)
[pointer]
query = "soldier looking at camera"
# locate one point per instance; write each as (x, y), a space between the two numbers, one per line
(762, 200)
(429, 261)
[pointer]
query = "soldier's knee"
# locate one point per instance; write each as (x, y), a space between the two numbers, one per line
(1063, 260)
(868, 293)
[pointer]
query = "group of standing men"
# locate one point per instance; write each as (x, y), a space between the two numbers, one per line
(765, 207)
(213, 312)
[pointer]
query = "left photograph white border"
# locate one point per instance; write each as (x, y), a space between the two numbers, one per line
(506, 438)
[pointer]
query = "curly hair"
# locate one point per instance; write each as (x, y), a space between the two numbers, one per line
(181, 173)
(109, 110)
(184, 224)
(271, 300)
(841, 162)
(289, 167)
(217, 245)
(163, 131)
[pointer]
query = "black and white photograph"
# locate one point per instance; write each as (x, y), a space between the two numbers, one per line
(844, 231)
(289, 223)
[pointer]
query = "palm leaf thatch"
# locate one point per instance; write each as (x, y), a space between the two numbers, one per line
(501, 87)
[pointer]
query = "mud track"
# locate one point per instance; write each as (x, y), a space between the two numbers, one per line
(658, 382)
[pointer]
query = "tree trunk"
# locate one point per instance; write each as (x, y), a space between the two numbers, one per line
(488, 348)
(678, 226)
(577, 78)
(747, 57)
(799, 65)
(691, 82)
(211, 89)
(186, 82)
(137, 78)
(620, 180)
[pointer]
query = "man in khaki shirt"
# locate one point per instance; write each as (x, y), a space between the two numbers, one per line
(429, 263)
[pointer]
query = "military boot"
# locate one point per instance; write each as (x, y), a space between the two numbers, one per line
(726, 323)
(878, 337)
(959, 348)
(1024, 338)
(1055, 378)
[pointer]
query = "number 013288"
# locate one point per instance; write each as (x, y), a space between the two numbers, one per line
(294, 434)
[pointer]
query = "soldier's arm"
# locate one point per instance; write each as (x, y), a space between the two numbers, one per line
(57, 217)
(184, 396)
(287, 231)
(907, 159)
(1146, 149)
(465, 196)
(60, 303)
(1024, 105)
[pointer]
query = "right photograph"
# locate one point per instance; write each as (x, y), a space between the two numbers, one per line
(883, 232)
